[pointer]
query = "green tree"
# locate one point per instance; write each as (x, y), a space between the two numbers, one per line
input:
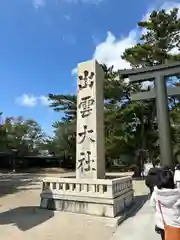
(132, 126)
(65, 103)
(64, 142)
(24, 136)
(3, 135)
(161, 36)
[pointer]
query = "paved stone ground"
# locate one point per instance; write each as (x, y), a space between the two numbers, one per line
(21, 219)
(138, 227)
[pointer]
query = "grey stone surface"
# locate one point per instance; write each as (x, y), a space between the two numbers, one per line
(21, 219)
(90, 193)
(102, 197)
(90, 158)
(138, 227)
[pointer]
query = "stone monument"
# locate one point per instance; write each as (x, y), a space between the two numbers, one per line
(89, 192)
(90, 159)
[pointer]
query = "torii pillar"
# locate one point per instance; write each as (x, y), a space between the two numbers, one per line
(158, 74)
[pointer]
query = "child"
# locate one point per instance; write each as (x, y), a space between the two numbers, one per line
(152, 178)
(166, 201)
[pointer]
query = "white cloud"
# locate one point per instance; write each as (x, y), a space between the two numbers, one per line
(44, 100)
(110, 50)
(39, 3)
(27, 100)
(74, 71)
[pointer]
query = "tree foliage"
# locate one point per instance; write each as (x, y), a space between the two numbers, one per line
(131, 126)
(160, 39)
(24, 136)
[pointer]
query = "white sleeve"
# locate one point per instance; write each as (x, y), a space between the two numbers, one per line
(153, 200)
(175, 177)
(177, 204)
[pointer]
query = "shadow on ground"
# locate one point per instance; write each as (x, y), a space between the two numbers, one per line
(25, 218)
(132, 210)
(139, 202)
(10, 184)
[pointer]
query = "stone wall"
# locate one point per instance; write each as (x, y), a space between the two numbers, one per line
(98, 197)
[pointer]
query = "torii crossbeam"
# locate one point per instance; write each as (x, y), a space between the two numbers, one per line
(160, 93)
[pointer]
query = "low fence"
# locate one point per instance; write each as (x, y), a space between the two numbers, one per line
(105, 188)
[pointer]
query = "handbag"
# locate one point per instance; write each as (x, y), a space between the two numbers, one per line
(171, 233)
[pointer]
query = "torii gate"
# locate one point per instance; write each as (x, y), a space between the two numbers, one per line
(160, 93)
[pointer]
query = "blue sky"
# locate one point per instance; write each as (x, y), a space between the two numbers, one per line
(43, 40)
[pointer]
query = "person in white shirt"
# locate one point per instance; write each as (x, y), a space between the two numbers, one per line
(177, 176)
(168, 197)
(147, 167)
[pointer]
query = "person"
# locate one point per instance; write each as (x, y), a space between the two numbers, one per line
(146, 168)
(166, 202)
(177, 176)
(152, 178)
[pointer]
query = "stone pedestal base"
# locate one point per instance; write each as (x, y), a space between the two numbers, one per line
(105, 198)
